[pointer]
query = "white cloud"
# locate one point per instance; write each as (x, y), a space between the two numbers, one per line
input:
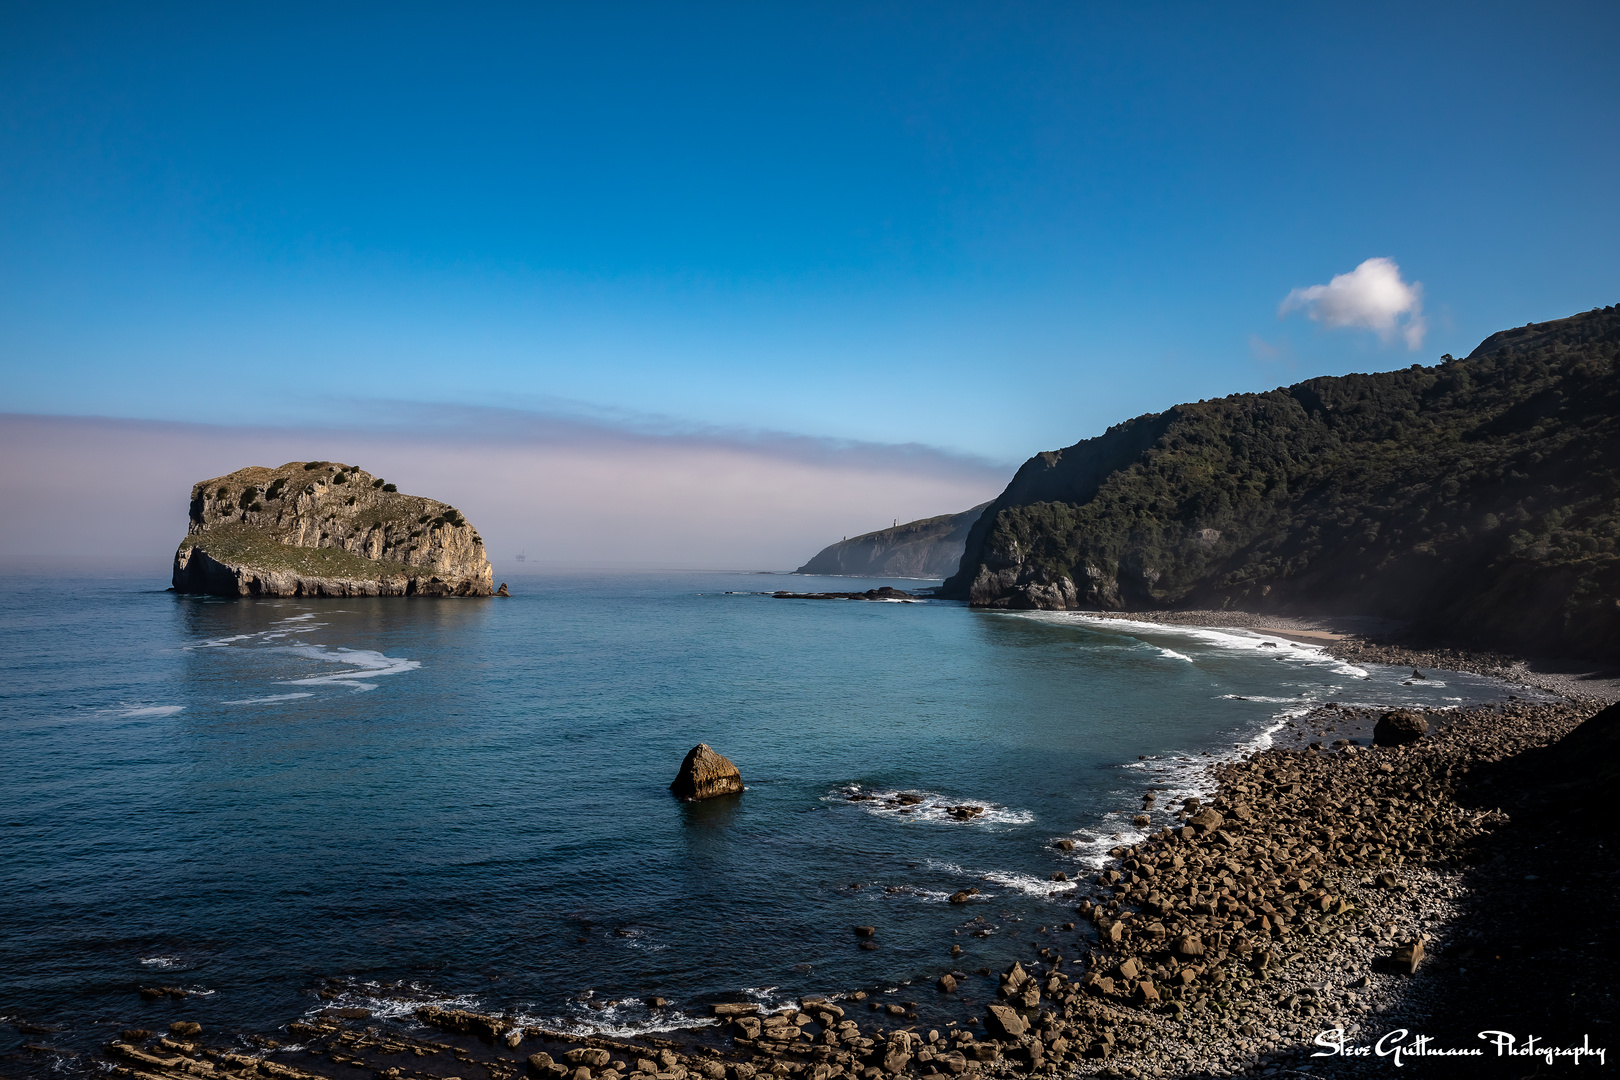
(1371, 297)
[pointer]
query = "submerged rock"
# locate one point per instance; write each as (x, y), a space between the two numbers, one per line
(706, 775)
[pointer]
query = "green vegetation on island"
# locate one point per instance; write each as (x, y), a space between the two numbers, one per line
(1478, 497)
(321, 528)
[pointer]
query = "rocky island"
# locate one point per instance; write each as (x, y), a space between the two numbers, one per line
(322, 528)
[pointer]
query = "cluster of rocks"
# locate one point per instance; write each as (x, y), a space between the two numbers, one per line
(905, 801)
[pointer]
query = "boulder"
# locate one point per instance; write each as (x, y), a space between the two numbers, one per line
(1399, 727)
(586, 1055)
(1190, 945)
(1004, 1023)
(739, 1008)
(1408, 956)
(186, 1028)
(1207, 820)
(706, 775)
(946, 984)
(539, 1066)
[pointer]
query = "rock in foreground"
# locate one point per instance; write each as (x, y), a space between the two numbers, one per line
(321, 528)
(705, 775)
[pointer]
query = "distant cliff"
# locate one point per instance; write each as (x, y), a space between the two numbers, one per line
(320, 528)
(1479, 497)
(930, 548)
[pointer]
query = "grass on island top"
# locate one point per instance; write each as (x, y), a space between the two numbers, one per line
(243, 545)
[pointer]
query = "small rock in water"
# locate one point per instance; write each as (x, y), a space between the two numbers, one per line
(1063, 845)
(706, 775)
(866, 931)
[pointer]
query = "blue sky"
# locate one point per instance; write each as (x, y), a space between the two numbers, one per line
(988, 228)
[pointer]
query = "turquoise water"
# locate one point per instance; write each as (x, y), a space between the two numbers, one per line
(468, 798)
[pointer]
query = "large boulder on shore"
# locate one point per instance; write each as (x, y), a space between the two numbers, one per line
(705, 775)
(1399, 727)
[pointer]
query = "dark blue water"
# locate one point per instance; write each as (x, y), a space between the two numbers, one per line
(247, 798)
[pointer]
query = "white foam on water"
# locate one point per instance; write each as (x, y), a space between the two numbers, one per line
(1224, 638)
(622, 1019)
(933, 808)
(1171, 654)
(365, 664)
(153, 710)
(220, 643)
(267, 700)
(1014, 880)
(1262, 699)
(391, 1006)
(161, 961)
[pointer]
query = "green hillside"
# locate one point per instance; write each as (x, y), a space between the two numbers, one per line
(1479, 497)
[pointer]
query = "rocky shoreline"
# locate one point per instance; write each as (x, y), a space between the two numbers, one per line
(1330, 885)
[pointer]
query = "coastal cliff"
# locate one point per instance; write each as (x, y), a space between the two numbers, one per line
(928, 548)
(1477, 497)
(320, 528)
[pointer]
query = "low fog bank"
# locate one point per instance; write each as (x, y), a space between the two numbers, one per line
(114, 493)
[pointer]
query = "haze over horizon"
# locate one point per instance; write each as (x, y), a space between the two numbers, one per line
(646, 285)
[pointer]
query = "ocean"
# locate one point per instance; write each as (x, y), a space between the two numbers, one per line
(404, 801)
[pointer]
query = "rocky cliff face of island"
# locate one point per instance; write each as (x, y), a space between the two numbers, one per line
(1478, 497)
(319, 528)
(929, 548)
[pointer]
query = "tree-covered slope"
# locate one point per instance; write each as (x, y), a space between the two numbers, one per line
(1480, 497)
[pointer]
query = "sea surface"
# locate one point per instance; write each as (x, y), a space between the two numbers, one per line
(466, 800)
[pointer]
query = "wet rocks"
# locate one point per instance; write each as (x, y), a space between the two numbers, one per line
(964, 813)
(1004, 1023)
(706, 775)
(1398, 727)
(186, 1028)
(946, 984)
